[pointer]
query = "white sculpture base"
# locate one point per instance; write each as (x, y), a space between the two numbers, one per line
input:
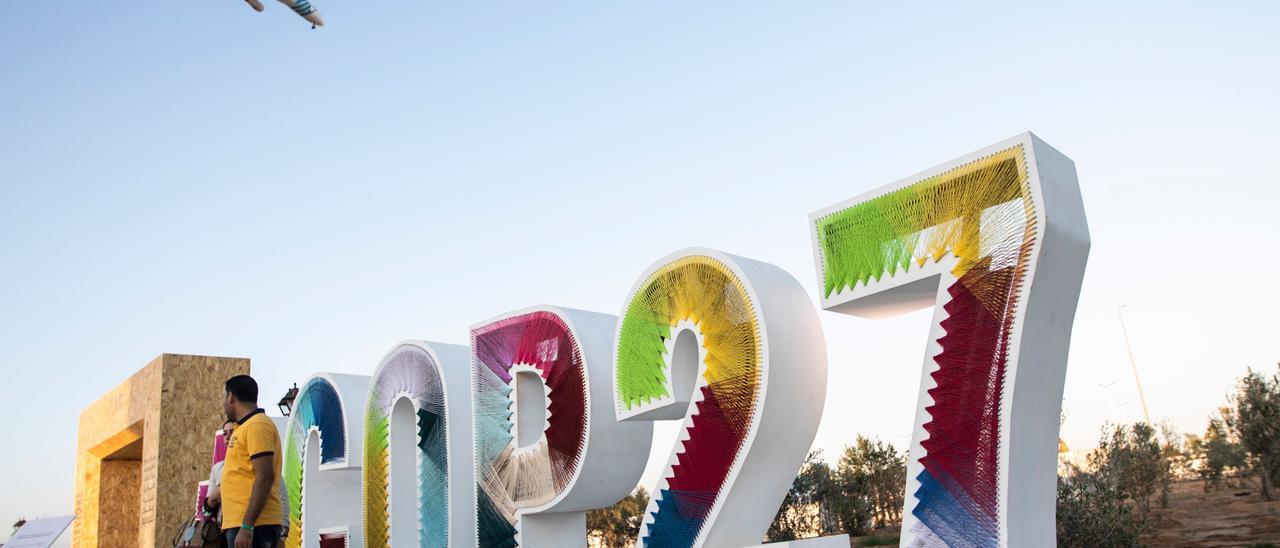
(834, 541)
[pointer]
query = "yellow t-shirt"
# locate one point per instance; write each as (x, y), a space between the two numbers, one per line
(254, 437)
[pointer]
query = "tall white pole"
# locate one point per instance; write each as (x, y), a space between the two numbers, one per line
(1111, 406)
(1134, 365)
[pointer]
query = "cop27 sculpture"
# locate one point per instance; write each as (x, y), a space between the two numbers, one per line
(549, 412)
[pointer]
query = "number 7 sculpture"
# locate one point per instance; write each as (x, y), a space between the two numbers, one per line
(998, 239)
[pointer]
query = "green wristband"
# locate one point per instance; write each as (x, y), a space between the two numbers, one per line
(246, 526)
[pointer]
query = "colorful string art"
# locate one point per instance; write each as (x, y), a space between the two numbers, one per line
(738, 455)
(981, 213)
(409, 371)
(980, 225)
(316, 409)
(507, 479)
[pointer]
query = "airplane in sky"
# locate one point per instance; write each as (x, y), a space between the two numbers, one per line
(301, 7)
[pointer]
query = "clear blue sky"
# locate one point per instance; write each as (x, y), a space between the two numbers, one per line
(200, 178)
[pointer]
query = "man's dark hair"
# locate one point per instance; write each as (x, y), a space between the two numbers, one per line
(244, 388)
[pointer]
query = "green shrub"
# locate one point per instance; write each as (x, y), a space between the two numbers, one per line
(1254, 418)
(1217, 453)
(1092, 511)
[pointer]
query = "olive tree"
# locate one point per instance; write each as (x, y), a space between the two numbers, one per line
(1254, 419)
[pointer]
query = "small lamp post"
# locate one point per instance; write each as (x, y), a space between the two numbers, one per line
(286, 403)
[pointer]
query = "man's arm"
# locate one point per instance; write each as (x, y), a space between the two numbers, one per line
(264, 474)
(214, 496)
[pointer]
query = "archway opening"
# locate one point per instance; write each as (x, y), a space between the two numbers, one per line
(685, 355)
(531, 408)
(403, 471)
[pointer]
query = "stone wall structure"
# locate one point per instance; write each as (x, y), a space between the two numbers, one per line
(142, 448)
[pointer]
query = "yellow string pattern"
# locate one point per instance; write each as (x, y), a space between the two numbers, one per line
(704, 291)
(377, 484)
(981, 212)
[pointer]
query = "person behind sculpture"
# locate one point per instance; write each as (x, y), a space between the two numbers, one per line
(214, 498)
(251, 509)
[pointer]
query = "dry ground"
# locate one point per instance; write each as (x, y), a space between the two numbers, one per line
(1217, 518)
(1195, 519)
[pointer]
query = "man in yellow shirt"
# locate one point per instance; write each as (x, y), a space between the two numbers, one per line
(251, 508)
